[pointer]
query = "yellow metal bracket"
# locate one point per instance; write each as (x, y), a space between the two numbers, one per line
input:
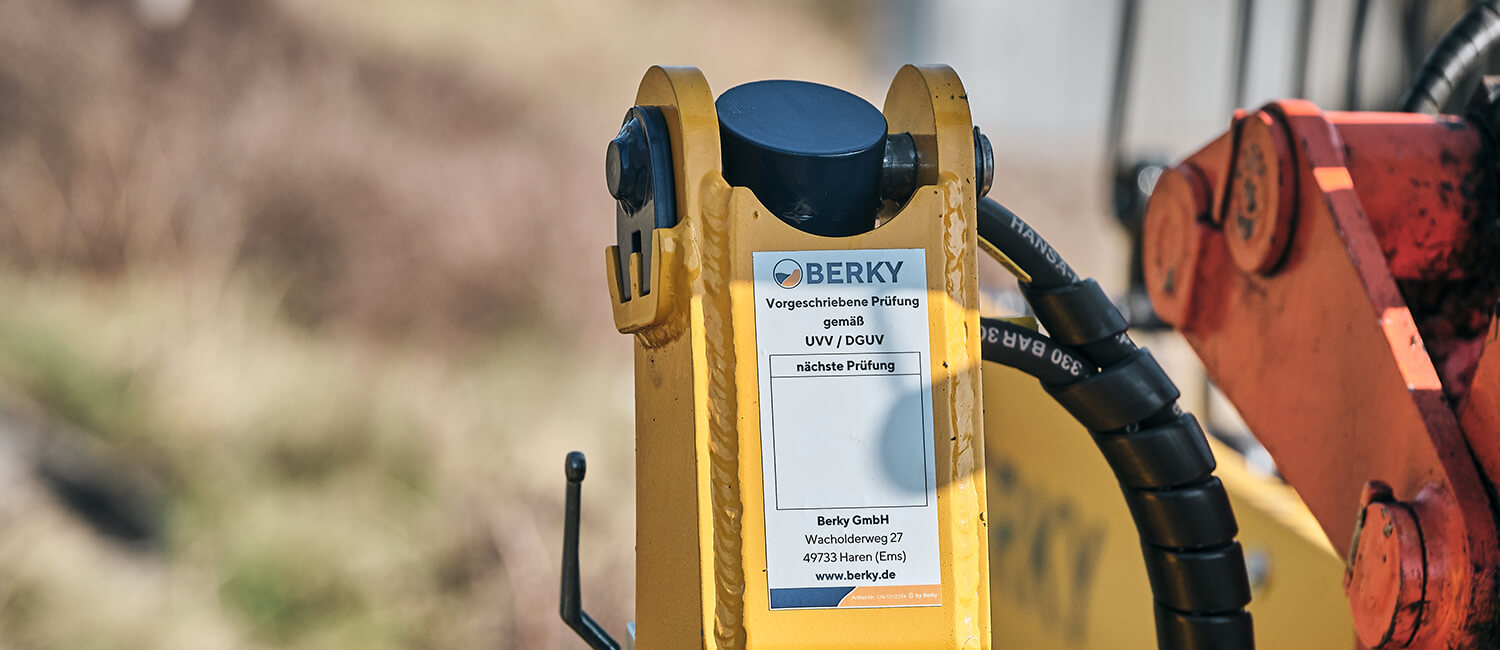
(701, 577)
(1059, 548)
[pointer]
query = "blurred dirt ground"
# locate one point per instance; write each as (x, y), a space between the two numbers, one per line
(302, 307)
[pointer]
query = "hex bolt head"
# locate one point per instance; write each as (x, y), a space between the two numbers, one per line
(627, 166)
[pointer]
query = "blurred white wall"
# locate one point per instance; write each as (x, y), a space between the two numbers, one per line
(1039, 73)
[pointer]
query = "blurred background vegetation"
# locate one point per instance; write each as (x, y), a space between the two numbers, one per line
(301, 304)
(301, 301)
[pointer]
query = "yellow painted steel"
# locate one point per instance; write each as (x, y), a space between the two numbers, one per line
(1062, 560)
(700, 549)
(1065, 561)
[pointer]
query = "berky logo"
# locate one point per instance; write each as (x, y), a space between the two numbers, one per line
(788, 273)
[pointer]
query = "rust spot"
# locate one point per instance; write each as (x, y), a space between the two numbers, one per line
(1244, 225)
(1452, 310)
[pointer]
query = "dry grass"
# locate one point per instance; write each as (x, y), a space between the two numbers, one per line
(309, 294)
(319, 493)
(407, 169)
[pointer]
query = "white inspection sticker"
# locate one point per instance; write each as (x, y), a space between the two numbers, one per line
(846, 428)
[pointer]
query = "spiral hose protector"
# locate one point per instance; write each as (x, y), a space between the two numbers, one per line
(1455, 56)
(1158, 453)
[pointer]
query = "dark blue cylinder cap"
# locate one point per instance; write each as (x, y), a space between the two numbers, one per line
(811, 153)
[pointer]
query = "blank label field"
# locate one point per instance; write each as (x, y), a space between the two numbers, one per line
(849, 439)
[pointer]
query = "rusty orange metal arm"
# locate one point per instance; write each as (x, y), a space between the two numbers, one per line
(1281, 251)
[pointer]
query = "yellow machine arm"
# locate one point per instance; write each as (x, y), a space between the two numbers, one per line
(816, 431)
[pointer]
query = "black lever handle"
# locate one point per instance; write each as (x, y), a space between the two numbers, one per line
(572, 606)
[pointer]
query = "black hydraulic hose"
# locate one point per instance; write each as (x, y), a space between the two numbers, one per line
(1048, 271)
(1356, 55)
(1119, 96)
(1242, 53)
(1158, 453)
(1304, 44)
(1001, 227)
(1456, 54)
(1413, 37)
(1031, 352)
